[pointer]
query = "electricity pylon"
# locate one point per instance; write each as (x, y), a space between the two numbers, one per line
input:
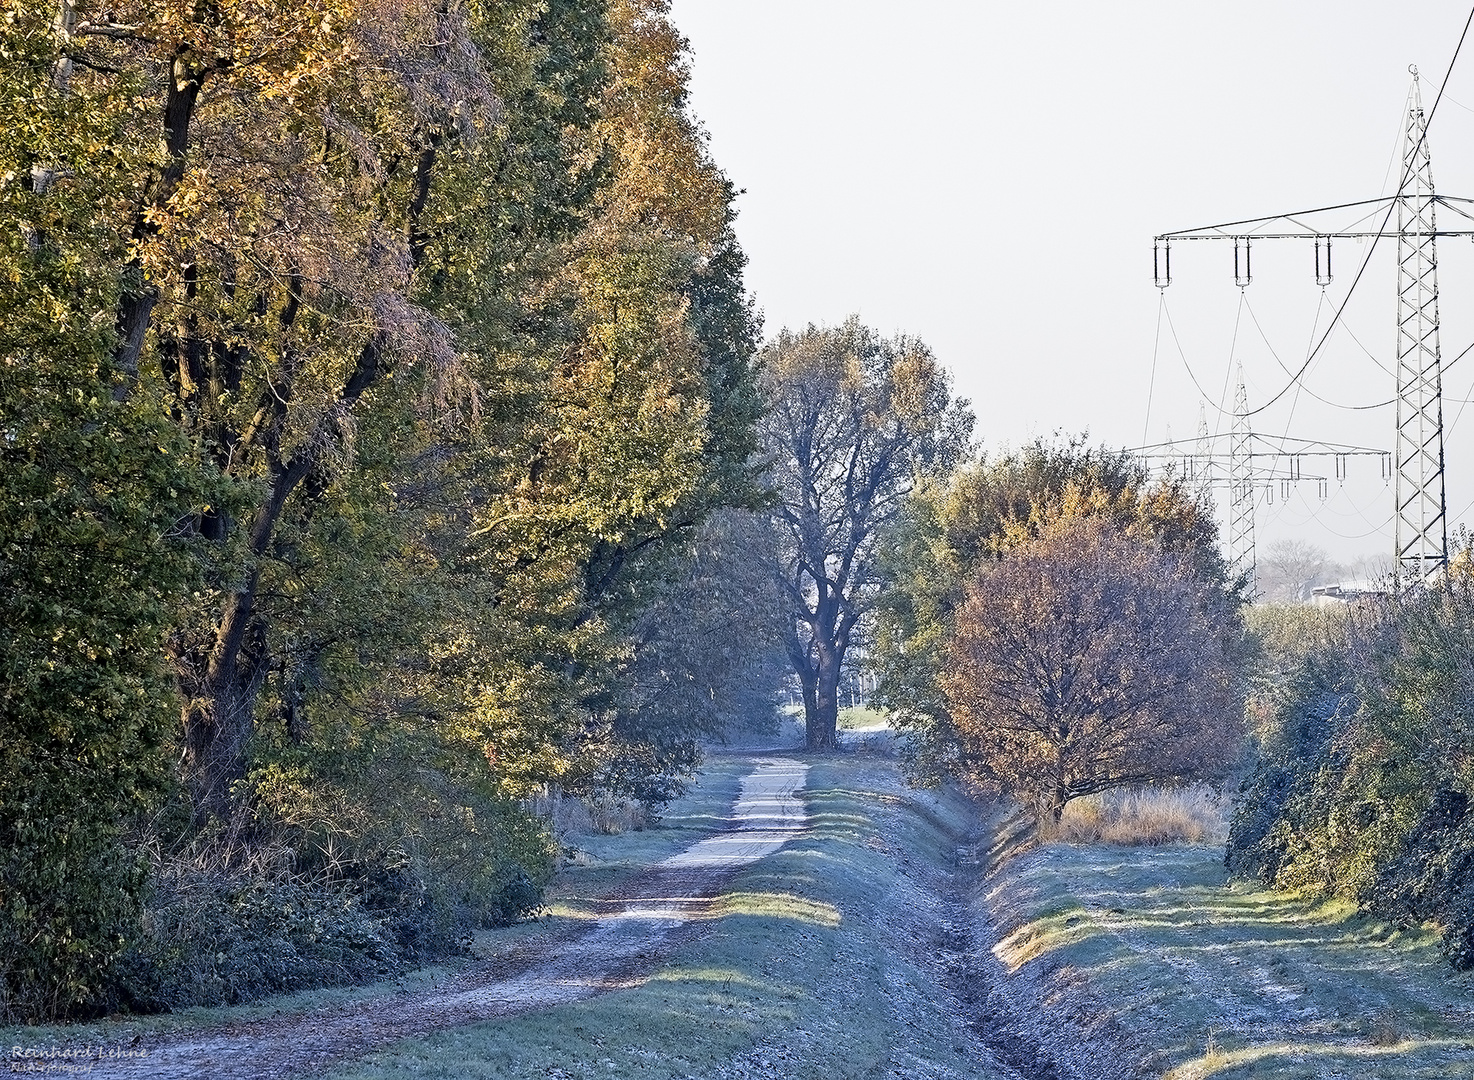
(1242, 471)
(1421, 534)
(1241, 561)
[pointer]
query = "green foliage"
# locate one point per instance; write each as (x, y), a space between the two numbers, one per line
(1365, 770)
(213, 940)
(708, 655)
(394, 862)
(370, 374)
(93, 566)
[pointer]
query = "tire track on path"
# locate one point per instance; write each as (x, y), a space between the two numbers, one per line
(637, 925)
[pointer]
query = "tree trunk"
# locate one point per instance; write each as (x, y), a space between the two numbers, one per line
(821, 713)
(136, 307)
(1052, 809)
(221, 687)
(218, 719)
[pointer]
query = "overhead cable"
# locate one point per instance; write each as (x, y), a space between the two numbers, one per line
(1372, 247)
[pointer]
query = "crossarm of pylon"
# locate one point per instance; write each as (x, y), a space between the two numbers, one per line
(1295, 227)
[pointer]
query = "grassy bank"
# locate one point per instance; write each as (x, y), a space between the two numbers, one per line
(599, 862)
(811, 966)
(1201, 978)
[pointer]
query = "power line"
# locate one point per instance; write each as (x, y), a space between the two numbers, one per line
(1233, 346)
(1152, 382)
(1283, 367)
(1421, 542)
(1178, 342)
(1406, 174)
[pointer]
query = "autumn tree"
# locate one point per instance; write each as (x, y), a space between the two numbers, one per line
(93, 562)
(1085, 660)
(623, 420)
(853, 421)
(951, 527)
(371, 369)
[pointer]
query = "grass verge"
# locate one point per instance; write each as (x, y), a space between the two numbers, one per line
(1201, 978)
(812, 966)
(600, 862)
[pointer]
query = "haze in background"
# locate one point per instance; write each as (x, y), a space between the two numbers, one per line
(989, 177)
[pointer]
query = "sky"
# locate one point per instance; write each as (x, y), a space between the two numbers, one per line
(989, 177)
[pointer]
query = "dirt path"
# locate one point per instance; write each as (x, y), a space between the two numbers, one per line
(635, 927)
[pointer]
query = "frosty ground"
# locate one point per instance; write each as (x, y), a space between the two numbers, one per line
(815, 917)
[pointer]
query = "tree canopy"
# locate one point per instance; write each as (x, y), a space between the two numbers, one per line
(854, 421)
(953, 527)
(374, 378)
(1086, 659)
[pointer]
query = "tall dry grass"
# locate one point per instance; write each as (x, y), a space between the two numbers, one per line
(572, 815)
(1195, 814)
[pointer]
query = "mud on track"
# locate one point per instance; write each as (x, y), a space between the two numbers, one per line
(636, 926)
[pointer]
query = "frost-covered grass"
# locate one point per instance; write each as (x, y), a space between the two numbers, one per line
(1211, 979)
(601, 862)
(800, 972)
(120, 1031)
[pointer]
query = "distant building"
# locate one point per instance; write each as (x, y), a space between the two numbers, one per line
(1346, 592)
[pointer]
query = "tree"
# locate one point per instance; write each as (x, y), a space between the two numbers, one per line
(1290, 569)
(1086, 660)
(951, 527)
(707, 658)
(853, 421)
(627, 421)
(93, 564)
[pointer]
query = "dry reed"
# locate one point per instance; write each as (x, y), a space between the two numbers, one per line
(1146, 816)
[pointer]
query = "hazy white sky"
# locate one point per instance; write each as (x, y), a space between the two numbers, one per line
(989, 177)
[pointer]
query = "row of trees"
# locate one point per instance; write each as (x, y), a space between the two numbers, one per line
(383, 436)
(376, 383)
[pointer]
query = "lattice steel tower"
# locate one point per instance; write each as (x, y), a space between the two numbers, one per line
(1421, 518)
(1241, 489)
(1422, 523)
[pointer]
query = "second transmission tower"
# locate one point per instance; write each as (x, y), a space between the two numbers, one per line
(1420, 544)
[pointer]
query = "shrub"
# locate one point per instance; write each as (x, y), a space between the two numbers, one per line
(1366, 770)
(318, 882)
(220, 939)
(1432, 879)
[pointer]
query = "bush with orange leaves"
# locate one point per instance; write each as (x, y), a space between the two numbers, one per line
(1086, 660)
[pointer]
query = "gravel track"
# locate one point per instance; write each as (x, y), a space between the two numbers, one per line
(637, 925)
